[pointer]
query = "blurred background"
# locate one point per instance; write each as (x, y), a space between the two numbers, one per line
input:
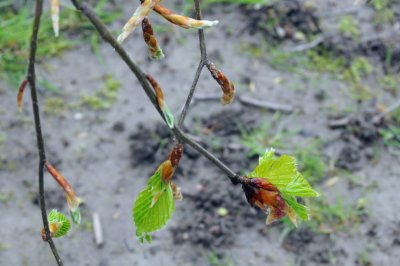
(317, 79)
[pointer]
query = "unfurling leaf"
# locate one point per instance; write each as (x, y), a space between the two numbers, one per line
(21, 94)
(140, 13)
(72, 199)
(59, 225)
(154, 205)
(182, 21)
(169, 117)
(275, 183)
(55, 15)
(155, 51)
(151, 215)
(228, 89)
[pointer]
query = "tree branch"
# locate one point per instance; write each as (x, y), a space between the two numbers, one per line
(36, 114)
(176, 131)
(203, 62)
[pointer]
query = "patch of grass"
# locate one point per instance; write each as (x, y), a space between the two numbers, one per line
(327, 218)
(104, 97)
(384, 13)
(391, 136)
(389, 83)
(15, 32)
(349, 27)
(359, 68)
(54, 105)
(6, 197)
(311, 163)
(260, 138)
(215, 260)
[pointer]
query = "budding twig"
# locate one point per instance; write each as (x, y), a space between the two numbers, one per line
(176, 131)
(40, 143)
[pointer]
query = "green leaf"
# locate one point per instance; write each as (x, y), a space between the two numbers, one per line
(282, 173)
(76, 215)
(61, 221)
(169, 117)
(153, 207)
(300, 187)
(279, 172)
(301, 210)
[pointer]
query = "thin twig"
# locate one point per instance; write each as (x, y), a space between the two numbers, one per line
(203, 62)
(267, 105)
(36, 114)
(176, 131)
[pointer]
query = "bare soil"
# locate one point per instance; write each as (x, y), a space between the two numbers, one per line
(108, 155)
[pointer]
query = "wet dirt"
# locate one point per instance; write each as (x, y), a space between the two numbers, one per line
(108, 155)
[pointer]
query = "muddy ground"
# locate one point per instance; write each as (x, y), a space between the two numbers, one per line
(108, 154)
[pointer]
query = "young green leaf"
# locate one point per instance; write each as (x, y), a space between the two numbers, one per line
(283, 181)
(153, 207)
(59, 223)
(279, 172)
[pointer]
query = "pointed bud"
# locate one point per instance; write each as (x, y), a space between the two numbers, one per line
(72, 199)
(21, 94)
(55, 11)
(227, 86)
(152, 44)
(182, 21)
(140, 13)
(169, 117)
(176, 154)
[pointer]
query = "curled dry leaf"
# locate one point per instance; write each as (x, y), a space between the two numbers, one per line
(72, 199)
(21, 94)
(155, 51)
(176, 191)
(182, 21)
(55, 15)
(227, 86)
(169, 117)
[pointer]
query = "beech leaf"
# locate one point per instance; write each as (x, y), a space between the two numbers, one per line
(153, 207)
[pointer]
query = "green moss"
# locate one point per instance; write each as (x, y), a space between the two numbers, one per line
(349, 27)
(104, 97)
(54, 105)
(327, 218)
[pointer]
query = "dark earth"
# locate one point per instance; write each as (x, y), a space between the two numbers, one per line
(108, 154)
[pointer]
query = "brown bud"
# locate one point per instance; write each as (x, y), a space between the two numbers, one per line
(148, 35)
(227, 86)
(157, 90)
(176, 154)
(21, 94)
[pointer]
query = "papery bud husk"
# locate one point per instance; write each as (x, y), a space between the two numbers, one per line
(182, 21)
(55, 15)
(140, 13)
(176, 192)
(263, 194)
